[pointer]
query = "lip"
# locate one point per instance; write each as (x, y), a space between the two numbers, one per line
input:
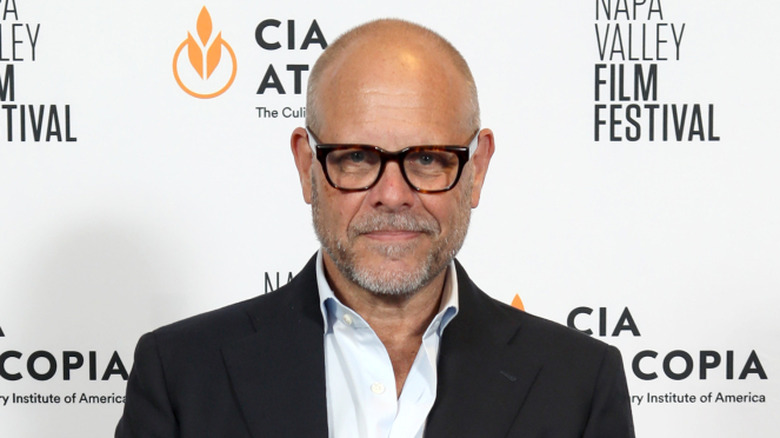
(387, 235)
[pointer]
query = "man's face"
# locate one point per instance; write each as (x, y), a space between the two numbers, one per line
(391, 251)
(391, 239)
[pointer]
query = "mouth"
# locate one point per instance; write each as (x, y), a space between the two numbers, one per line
(393, 228)
(393, 235)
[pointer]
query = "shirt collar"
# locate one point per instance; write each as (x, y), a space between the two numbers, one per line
(332, 309)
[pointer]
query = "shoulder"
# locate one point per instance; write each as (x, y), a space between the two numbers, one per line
(212, 326)
(204, 335)
(549, 336)
(549, 340)
(556, 341)
(236, 321)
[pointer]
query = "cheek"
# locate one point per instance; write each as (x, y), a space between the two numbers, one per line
(454, 207)
(340, 208)
(445, 209)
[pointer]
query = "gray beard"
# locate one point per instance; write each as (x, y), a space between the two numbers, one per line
(375, 279)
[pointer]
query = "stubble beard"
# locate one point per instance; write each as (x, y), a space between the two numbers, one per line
(392, 282)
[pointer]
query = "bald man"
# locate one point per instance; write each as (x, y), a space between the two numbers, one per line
(382, 334)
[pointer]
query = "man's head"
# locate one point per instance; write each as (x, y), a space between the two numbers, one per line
(391, 84)
(389, 34)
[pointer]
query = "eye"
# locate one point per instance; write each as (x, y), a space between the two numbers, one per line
(353, 158)
(357, 156)
(426, 159)
(432, 159)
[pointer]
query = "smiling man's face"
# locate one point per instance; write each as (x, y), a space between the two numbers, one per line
(391, 239)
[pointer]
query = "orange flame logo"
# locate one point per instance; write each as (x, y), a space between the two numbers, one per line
(517, 303)
(198, 78)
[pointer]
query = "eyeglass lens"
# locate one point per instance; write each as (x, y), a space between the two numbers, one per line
(426, 169)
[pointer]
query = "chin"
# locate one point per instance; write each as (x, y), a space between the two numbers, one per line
(403, 282)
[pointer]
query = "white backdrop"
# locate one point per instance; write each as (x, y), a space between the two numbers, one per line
(148, 205)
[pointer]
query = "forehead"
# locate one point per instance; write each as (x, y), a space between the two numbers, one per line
(381, 89)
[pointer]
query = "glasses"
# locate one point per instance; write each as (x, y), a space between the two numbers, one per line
(357, 167)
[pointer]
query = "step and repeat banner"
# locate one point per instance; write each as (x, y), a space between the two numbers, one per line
(145, 176)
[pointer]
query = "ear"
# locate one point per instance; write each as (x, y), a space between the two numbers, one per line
(480, 160)
(302, 153)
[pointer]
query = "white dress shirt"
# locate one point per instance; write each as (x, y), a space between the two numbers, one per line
(359, 378)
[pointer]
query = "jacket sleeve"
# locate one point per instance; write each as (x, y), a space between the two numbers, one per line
(610, 413)
(148, 412)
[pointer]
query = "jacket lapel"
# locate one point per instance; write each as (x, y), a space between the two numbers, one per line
(278, 373)
(482, 384)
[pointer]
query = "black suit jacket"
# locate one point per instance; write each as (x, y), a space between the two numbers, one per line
(256, 369)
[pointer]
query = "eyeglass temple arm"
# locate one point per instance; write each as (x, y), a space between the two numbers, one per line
(312, 140)
(474, 143)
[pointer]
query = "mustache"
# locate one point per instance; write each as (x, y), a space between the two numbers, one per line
(393, 222)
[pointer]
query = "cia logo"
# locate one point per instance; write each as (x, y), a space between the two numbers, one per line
(210, 66)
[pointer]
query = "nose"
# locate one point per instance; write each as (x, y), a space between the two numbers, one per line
(391, 192)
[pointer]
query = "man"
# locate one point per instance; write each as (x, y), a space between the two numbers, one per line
(382, 333)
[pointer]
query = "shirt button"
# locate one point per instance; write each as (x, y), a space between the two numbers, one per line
(377, 388)
(347, 319)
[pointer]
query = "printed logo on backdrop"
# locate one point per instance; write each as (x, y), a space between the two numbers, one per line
(275, 280)
(209, 67)
(517, 303)
(82, 369)
(205, 65)
(666, 370)
(273, 35)
(25, 121)
(633, 42)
